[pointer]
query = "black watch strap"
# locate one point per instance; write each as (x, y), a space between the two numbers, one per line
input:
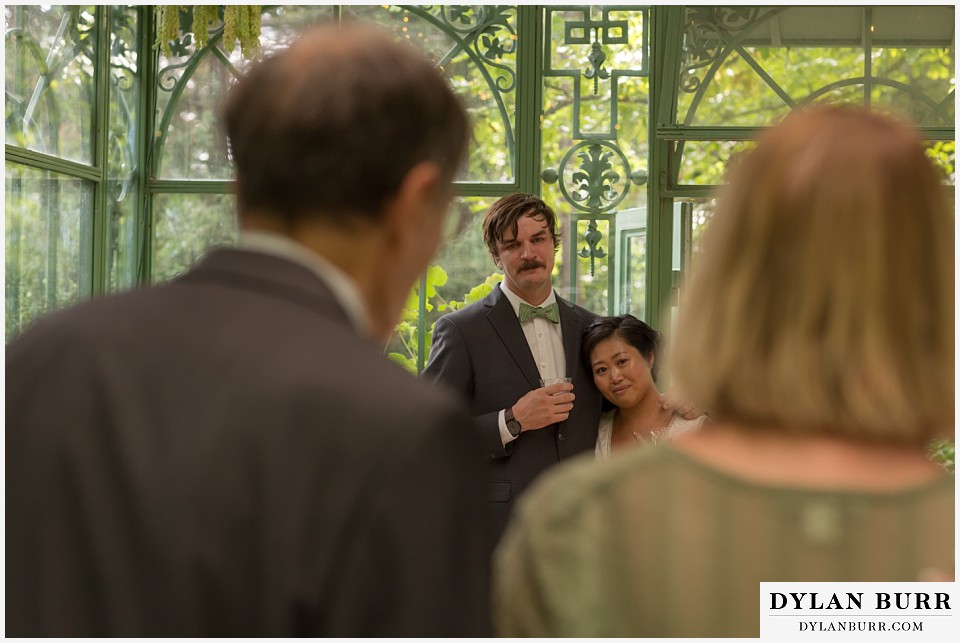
(513, 425)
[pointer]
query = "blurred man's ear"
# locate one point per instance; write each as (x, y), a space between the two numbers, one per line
(423, 195)
(409, 231)
(412, 220)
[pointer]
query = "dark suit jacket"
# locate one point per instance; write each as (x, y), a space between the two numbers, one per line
(224, 456)
(482, 354)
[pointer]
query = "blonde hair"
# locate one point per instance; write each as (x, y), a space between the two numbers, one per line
(823, 299)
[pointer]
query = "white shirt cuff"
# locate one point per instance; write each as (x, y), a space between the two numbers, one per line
(505, 436)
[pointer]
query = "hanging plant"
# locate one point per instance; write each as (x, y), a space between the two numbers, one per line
(236, 22)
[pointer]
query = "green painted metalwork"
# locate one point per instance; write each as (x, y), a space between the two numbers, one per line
(187, 186)
(592, 250)
(472, 188)
(148, 54)
(594, 187)
(711, 36)
(167, 81)
(42, 161)
(868, 80)
(667, 38)
(687, 133)
(530, 33)
(475, 32)
(594, 175)
(590, 31)
(99, 244)
(511, 51)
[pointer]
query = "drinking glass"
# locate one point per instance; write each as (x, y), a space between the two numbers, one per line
(555, 380)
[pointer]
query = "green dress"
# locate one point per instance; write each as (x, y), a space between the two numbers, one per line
(654, 543)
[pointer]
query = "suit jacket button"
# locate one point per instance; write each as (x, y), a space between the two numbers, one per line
(561, 436)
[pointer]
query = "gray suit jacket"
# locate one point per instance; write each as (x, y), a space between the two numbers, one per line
(481, 353)
(224, 456)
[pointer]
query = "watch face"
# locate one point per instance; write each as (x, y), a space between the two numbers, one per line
(514, 427)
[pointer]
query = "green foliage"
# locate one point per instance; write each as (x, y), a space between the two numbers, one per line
(405, 342)
(943, 452)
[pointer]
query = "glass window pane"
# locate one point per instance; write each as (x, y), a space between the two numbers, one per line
(631, 266)
(705, 162)
(701, 214)
(915, 82)
(188, 139)
(187, 225)
(49, 52)
(282, 24)
(633, 286)
(479, 61)
(596, 97)
(191, 84)
(48, 223)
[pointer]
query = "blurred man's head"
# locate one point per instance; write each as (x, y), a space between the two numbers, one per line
(330, 126)
(353, 134)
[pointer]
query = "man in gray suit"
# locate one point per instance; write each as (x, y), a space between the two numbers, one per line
(230, 454)
(495, 352)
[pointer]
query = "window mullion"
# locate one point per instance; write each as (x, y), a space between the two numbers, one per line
(99, 244)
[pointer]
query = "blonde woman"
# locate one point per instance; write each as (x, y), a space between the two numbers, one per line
(818, 329)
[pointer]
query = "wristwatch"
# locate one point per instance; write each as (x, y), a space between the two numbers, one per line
(512, 424)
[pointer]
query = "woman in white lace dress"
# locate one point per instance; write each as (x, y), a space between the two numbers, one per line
(622, 351)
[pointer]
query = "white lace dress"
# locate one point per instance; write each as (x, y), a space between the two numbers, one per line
(676, 427)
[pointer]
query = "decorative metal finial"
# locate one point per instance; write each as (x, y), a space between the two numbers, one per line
(592, 250)
(596, 58)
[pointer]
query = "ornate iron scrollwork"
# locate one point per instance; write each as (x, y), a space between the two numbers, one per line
(601, 176)
(708, 31)
(486, 29)
(592, 250)
(594, 186)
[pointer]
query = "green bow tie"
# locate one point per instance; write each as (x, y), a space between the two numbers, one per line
(528, 312)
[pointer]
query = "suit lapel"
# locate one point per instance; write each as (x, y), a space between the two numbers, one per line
(505, 323)
(571, 327)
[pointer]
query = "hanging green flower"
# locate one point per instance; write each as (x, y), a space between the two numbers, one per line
(235, 22)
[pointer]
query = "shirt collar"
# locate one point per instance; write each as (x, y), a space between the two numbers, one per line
(343, 287)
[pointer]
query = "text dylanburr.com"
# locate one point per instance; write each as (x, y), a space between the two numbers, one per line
(858, 611)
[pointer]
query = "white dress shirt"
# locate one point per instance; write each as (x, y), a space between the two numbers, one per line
(545, 340)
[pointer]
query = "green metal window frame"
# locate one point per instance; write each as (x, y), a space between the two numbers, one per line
(662, 40)
(669, 136)
(97, 172)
